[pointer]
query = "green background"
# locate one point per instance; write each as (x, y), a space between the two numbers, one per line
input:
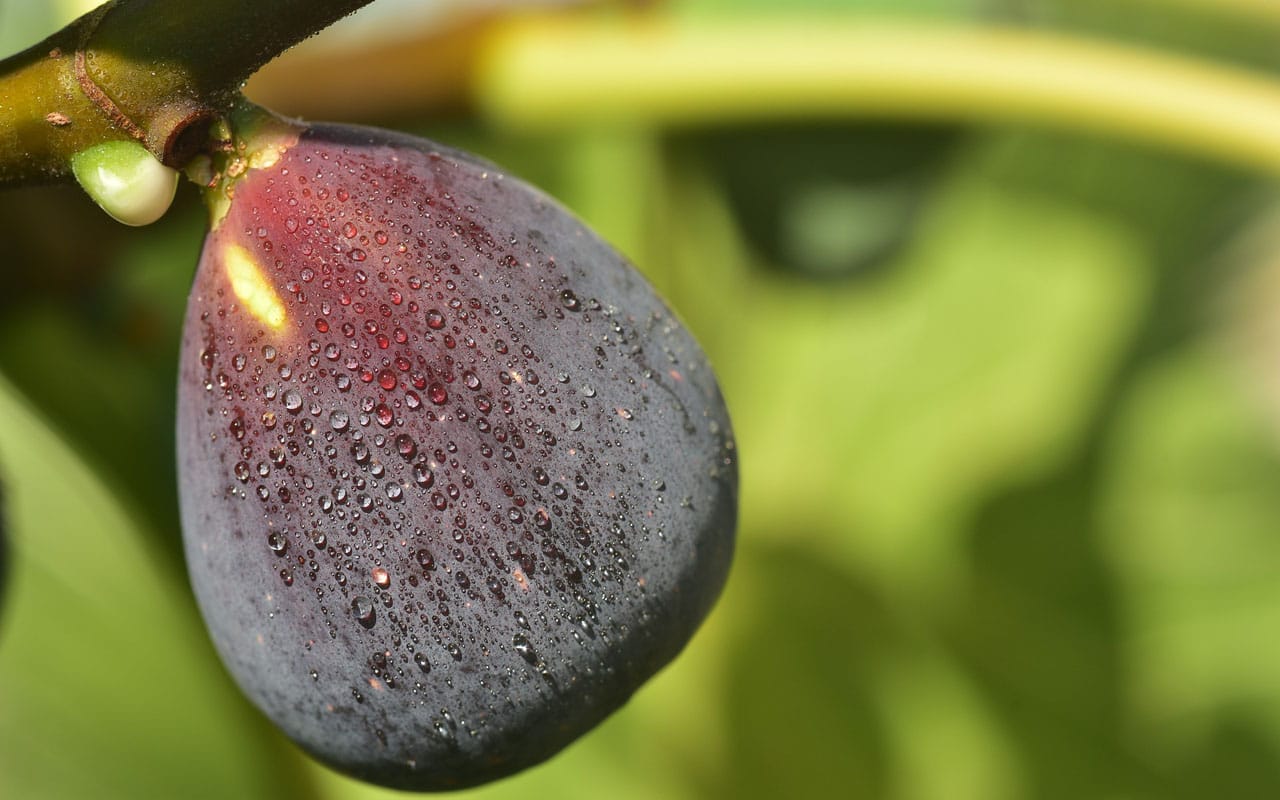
(1009, 418)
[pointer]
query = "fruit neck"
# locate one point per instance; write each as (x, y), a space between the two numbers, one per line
(248, 138)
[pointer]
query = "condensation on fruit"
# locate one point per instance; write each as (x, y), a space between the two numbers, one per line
(455, 482)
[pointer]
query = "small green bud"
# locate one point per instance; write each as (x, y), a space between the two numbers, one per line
(126, 181)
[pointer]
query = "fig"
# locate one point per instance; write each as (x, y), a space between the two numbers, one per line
(454, 480)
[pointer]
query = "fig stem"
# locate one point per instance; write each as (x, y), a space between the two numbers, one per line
(155, 71)
(672, 72)
(255, 138)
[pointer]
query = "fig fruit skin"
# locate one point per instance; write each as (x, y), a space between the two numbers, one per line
(454, 481)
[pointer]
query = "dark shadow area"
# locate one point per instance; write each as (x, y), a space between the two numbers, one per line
(89, 331)
(1040, 634)
(824, 200)
(1238, 760)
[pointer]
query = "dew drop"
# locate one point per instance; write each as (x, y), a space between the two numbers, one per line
(425, 559)
(360, 452)
(423, 475)
(362, 608)
(521, 644)
(384, 415)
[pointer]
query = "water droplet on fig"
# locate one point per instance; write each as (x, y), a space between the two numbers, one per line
(362, 608)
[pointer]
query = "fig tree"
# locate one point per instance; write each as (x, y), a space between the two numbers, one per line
(454, 480)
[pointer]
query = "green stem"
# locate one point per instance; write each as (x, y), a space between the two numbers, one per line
(158, 71)
(258, 138)
(1260, 12)
(685, 73)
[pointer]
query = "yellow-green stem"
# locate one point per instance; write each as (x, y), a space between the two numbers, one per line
(685, 73)
(1265, 12)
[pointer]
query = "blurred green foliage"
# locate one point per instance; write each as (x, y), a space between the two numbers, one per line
(1010, 435)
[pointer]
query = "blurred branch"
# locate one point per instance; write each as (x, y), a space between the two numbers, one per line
(158, 71)
(1265, 12)
(387, 78)
(392, 68)
(552, 73)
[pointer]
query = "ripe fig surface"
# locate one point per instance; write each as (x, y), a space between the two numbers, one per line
(454, 480)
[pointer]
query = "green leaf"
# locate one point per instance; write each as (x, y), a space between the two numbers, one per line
(1191, 517)
(896, 407)
(108, 684)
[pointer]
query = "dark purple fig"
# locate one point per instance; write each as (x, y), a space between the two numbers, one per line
(455, 481)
